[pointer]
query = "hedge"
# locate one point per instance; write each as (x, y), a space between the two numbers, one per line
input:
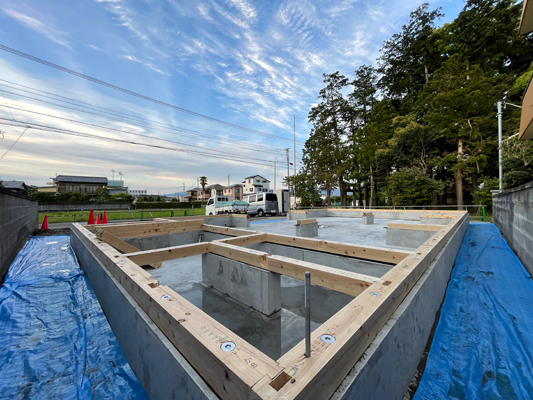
(162, 204)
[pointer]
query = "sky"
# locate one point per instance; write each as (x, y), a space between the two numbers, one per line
(255, 65)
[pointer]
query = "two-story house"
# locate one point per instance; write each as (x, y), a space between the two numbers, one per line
(255, 184)
(234, 191)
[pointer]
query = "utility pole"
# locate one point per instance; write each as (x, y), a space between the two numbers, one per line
(294, 148)
(113, 172)
(275, 159)
(500, 129)
(288, 170)
(500, 168)
(228, 181)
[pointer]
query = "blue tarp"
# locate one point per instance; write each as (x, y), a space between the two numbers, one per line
(55, 342)
(483, 344)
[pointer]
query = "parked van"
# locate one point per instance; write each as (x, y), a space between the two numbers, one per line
(262, 203)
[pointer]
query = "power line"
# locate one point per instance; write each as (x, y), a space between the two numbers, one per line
(141, 96)
(5, 121)
(14, 143)
(129, 133)
(124, 117)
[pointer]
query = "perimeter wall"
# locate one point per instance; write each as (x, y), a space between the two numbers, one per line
(512, 212)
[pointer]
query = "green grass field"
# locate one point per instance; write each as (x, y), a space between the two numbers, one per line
(76, 216)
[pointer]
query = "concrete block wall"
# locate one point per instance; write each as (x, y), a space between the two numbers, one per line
(512, 212)
(18, 219)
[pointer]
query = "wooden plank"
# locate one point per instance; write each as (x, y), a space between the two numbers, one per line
(244, 240)
(415, 227)
(336, 279)
(168, 253)
(154, 228)
(121, 245)
(241, 254)
(438, 216)
(195, 334)
(354, 327)
(227, 231)
(344, 249)
(306, 221)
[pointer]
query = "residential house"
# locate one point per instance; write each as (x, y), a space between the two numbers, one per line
(215, 190)
(234, 191)
(74, 184)
(255, 184)
(526, 119)
(18, 187)
(198, 194)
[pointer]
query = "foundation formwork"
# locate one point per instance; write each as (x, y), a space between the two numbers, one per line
(176, 349)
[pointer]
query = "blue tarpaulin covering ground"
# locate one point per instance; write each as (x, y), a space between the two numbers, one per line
(483, 344)
(55, 342)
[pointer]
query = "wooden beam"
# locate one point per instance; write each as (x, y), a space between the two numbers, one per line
(168, 253)
(244, 240)
(153, 228)
(353, 327)
(241, 254)
(438, 216)
(306, 221)
(336, 279)
(227, 231)
(121, 245)
(344, 249)
(415, 227)
(195, 334)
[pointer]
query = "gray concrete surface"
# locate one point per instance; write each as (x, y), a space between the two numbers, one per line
(160, 241)
(349, 230)
(512, 212)
(407, 237)
(388, 365)
(435, 221)
(161, 369)
(307, 230)
(18, 219)
(254, 287)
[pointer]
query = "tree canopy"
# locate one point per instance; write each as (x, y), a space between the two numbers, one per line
(420, 127)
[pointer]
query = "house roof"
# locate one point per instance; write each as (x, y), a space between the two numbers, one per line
(236, 184)
(80, 179)
(253, 176)
(14, 185)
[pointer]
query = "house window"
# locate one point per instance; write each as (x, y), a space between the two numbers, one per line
(258, 180)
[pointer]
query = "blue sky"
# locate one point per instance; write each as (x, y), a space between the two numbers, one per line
(250, 63)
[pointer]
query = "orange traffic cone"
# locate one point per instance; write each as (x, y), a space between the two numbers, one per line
(91, 218)
(98, 220)
(45, 222)
(104, 220)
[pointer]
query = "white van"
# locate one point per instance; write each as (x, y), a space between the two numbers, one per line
(262, 203)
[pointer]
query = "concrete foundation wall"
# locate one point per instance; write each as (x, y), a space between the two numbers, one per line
(412, 215)
(407, 237)
(161, 369)
(18, 219)
(254, 287)
(160, 241)
(371, 268)
(435, 221)
(512, 212)
(388, 365)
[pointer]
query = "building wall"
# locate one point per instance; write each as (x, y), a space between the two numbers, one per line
(250, 188)
(512, 212)
(18, 219)
(83, 188)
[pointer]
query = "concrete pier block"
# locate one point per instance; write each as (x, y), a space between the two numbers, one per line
(307, 228)
(254, 287)
(240, 221)
(368, 218)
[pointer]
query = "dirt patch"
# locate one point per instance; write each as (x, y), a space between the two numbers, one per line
(51, 232)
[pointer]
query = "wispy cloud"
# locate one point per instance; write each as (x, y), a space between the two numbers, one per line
(38, 26)
(146, 64)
